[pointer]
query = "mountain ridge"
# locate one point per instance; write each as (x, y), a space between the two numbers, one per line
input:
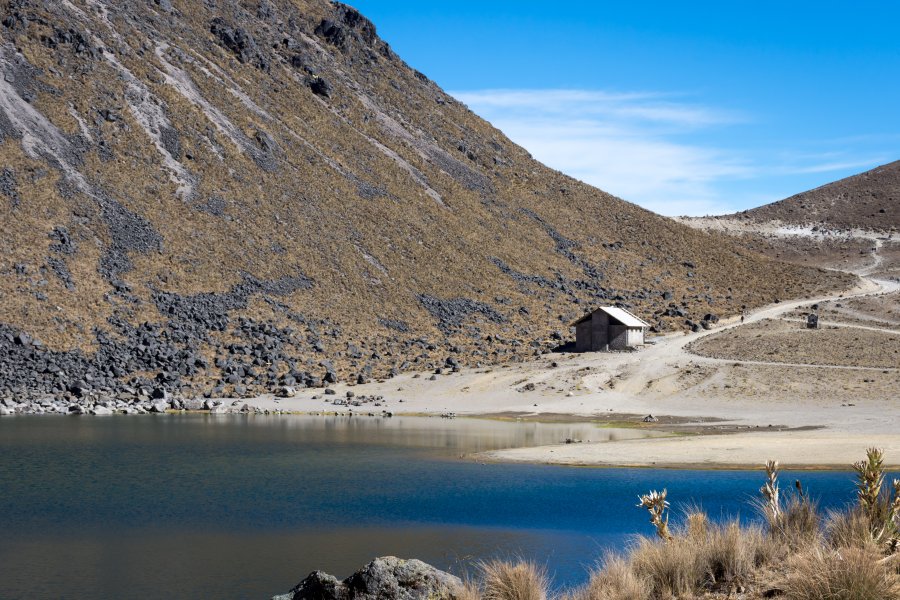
(868, 200)
(221, 197)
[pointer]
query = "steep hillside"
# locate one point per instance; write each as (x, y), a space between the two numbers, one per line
(221, 196)
(870, 200)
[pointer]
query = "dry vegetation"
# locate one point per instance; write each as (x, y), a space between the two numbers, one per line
(890, 254)
(841, 252)
(795, 553)
(785, 341)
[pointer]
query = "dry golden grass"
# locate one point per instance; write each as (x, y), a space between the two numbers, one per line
(468, 591)
(848, 529)
(703, 556)
(616, 580)
(798, 525)
(673, 568)
(731, 553)
(513, 581)
(845, 574)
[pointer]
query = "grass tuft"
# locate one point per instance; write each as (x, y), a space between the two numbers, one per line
(671, 568)
(846, 574)
(522, 580)
(615, 581)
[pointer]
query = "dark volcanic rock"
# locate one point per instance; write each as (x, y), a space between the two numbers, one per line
(452, 312)
(60, 269)
(320, 86)
(239, 41)
(386, 578)
(394, 324)
(130, 232)
(8, 185)
(209, 311)
(63, 241)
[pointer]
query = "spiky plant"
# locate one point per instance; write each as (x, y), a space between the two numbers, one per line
(793, 519)
(881, 508)
(894, 516)
(870, 473)
(658, 507)
(772, 503)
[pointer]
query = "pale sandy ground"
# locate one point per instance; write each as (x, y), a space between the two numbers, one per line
(800, 450)
(841, 410)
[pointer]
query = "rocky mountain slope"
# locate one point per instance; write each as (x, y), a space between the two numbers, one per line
(869, 200)
(848, 225)
(222, 196)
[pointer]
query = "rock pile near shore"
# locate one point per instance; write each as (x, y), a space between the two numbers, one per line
(385, 578)
(124, 404)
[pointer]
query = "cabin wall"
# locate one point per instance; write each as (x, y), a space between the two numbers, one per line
(583, 337)
(599, 330)
(618, 337)
(635, 337)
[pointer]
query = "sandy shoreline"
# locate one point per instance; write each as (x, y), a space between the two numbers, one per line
(820, 450)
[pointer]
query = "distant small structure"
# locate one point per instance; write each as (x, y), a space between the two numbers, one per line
(812, 321)
(608, 328)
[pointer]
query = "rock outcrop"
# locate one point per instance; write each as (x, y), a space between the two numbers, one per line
(385, 578)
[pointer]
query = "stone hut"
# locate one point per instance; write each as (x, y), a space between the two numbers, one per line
(608, 328)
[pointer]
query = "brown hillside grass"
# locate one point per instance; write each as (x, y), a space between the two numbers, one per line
(347, 204)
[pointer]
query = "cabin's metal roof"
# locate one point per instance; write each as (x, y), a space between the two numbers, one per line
(619, 314)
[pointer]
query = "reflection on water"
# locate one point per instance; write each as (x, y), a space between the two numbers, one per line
(247, 565)
(458, 436)
(228, 506)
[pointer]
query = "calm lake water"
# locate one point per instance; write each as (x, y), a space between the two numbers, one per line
(199, 506)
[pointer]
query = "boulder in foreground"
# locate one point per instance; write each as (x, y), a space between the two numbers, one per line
(385, 578)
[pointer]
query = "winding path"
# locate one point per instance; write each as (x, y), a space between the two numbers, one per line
(635, 373)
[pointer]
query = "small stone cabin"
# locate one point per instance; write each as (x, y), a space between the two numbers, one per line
(608, 328)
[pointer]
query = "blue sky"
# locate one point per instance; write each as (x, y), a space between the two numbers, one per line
(682, 107)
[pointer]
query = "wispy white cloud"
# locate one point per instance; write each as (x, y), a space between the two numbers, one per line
(798, 163)
(650, 107)
(659, 150)
(625, 143)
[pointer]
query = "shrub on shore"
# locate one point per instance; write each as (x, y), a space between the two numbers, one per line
(513, 581)
(796, 554)
(845, 574)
